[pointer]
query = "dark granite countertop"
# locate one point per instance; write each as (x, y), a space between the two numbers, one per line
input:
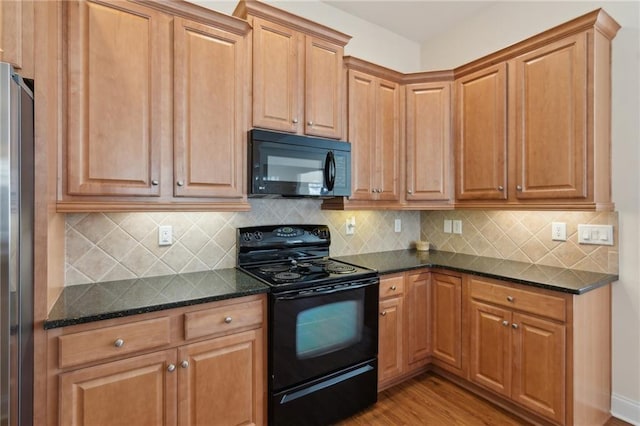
(549, 277)
(80, 304)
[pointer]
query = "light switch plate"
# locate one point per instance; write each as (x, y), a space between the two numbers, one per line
(447, 226)
(457, 227)
(595, 234)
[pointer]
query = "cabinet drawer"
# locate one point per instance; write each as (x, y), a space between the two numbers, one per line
(223, 319)
(103, 343)
(391, 286)
(523, 300)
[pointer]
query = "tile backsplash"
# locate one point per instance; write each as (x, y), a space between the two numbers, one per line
(114, 246)
(524, 236)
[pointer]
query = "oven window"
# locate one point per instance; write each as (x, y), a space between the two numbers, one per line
(328, 328)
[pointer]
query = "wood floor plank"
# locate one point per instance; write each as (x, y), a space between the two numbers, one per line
(429, 399)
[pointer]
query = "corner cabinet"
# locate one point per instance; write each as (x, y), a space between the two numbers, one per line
(532, 123)
(178, 367)
(298, 80)
(153, 100)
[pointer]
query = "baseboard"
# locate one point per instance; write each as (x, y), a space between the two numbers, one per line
(625, 409)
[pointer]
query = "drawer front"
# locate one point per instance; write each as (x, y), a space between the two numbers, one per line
(523, 300)
(391, 286)
(104, 343)
(223, 319)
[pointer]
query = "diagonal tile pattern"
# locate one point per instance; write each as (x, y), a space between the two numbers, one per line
(524, 236)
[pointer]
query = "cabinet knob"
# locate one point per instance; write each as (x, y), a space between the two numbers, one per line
(383, 313)
(393, 287)
(228, 320)
(409, 192)
(180, 183)
(118, 343)
(514, 326)
(519, 187)
(171, 368)
(294, 121)
(155, 182)
(184, 364)
(501, 188)
(509, 298)
(309, 123)
(505, 323)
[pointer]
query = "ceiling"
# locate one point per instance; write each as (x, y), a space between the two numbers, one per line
(417, 20)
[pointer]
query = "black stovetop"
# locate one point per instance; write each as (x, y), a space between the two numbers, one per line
(293, 256)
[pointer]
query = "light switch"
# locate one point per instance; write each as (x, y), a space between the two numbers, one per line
(595, 234)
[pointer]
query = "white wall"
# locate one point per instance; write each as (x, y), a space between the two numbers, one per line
(506, 23)
(369, 41)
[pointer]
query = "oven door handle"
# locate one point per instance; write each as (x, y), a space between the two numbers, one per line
(312, 293)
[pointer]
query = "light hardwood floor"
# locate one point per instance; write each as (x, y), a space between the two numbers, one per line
(430, 399)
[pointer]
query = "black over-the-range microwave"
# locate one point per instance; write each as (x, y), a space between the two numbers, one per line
(286, 165)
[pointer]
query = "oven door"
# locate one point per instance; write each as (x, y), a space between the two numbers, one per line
(318, 331)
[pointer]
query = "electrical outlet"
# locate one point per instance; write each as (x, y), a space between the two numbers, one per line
(350, 225)
(447, 226)
(558, 231)
(165, 235)
(457, 227)
(397, 225)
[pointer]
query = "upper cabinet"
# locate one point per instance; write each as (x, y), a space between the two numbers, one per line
(532, 122)
(429, 160)
(154, 108)
(16, 35)
(298, 79)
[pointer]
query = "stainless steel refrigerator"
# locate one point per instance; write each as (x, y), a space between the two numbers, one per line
(16, 248)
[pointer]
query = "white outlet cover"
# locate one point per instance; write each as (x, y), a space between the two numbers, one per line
(397, 225)
(457, 227)
(447, 226)
(165, 235)
(558, 231)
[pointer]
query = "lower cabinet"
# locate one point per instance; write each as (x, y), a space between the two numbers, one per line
(218, 380)
(391, 330)
(446, 324)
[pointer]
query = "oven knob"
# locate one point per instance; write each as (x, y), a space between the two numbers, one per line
(257, 235)
(246, 236)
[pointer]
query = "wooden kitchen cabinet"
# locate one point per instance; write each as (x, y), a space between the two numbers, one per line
(418, 318)
(201, 375)
(532, 124)
(145, 119)
(447, 333)
(429, 154)
(391, 339)
(518, 345)
(298, 80)
(16, 35)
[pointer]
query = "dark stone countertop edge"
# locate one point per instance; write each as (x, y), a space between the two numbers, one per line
(50, 324)
(407, 261)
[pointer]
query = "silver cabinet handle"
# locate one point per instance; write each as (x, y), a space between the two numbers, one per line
(171, 368)
(184, 364)
(155, 182)
(509, 298)
(514, 326)
(294, 121)
(309, 123)
(228, 320)
(409, 192)
(393, 287)
(180, 183)
(383, 313)
(505, 323)
(501, 188)
(519, 187)
(118, 343)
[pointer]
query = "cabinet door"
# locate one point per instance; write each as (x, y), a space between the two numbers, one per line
(447, 319)
(390, 354)
(223, 381)
(209, 81)
(539, 365)
(118, 73)
(16, 35)
(551, 120)
(481, 135)
(429, 141)
(134, 391)
(324, 89)
(418, 316)
(277, 76)
(387, 156)
(490, 347)
(362, 133)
